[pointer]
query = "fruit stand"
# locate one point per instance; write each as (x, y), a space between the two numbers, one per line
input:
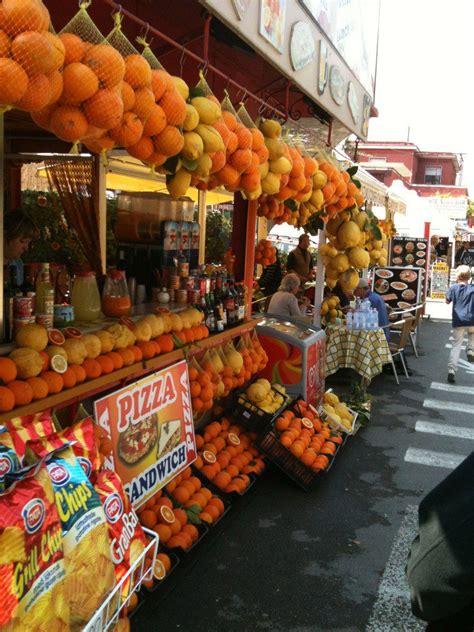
(152, 425)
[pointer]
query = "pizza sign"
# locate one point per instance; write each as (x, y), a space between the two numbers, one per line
(151, 431)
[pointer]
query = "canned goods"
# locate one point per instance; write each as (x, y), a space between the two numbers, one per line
(189, 283)
(63, 314)
(174, 282)
(21, 321)
(181, 296)
(193, 297)
(172, 294)
(183, 269)
(22, 306)
(45, 319)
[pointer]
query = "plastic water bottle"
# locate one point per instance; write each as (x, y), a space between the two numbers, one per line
(356, 320)
(349, 320)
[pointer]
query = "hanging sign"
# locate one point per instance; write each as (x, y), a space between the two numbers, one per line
(439, 280)
(240, 7)
(302, 46)
(399, 287)
(151, 431)
(337, 85)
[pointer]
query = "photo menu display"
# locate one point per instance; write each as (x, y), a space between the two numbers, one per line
(409, 251)
(399, 287)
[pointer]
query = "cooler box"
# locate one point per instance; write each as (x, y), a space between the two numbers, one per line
(296, 356)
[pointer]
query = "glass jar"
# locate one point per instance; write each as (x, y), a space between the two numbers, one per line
(115, 297)
(85, 297)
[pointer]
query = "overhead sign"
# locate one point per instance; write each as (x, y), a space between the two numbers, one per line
(454, 207)
(302, 46)
(151, 431)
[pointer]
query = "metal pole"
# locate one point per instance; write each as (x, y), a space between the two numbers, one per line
(2, 203)
(99, 174)
(202, 226)
(319, 288)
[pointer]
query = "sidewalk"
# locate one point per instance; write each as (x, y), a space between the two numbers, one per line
(438, 310)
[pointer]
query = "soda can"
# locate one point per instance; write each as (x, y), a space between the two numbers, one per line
(22, 306)
(181, 296)
(45, 319)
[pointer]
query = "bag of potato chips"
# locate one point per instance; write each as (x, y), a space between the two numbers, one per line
(32, 570)
(89, 569)
(29, 428)
(9, 461)
(127, 538)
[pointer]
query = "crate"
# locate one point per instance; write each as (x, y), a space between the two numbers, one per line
(253, 417)
(289, 464)
(219, 492)
(175, 560)
(334, 424)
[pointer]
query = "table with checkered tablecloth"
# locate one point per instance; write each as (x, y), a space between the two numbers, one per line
(365, 351)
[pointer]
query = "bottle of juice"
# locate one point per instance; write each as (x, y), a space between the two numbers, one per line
(44, 304)
(85, 297)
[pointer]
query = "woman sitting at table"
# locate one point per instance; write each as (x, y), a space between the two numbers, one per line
(284, 301)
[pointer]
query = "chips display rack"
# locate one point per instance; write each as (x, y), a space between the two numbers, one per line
(108, 614)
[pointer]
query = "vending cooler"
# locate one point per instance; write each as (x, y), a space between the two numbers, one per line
(296, 356)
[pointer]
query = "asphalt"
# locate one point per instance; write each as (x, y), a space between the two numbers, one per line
(333, 558)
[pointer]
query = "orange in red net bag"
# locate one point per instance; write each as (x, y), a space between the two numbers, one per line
(32, 570)
(91, 100)
(31, 57)
(251, 179)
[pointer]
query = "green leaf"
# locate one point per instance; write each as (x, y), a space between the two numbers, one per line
(366, 224)
(193, 510)
(292, 205)
(376, 232)
(194, 519)
(196, 92)
(170, 165)
(357, 183)
(178, 343)
(353, 170)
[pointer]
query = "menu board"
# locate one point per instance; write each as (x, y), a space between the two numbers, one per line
(439, 280)
(399, 287)
(408, 251)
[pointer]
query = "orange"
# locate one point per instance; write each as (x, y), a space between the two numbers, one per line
(55, 79)
(144, 103)
(212, 511)
(189, 486)
(129, 131)
(68, 123)
(54, 381)
(163, 531)
(228, 175)
(197, 499)
(206, 517)
(222, 480)
(199, 439)
(106, 364)
(308, 457)
(169, 142)
(187, 538)
(198, 463)
(22, 391)
(127, 356)
(191, 530)
(177, 541)
(209, 471)
(175, 527)
(137, 352)
(218, 159)
(258, 141)
(196, 483)
(165, 560)
(216, 502)
(79, 371)
(241, 159)
(39, 386)
(128, 96)
(297, 448)
(156, 121)
(206, 493)
(160, 82)
(197, 404)
(137, 71)
(193, 373)
(181, 515)
(107, 63)
(37, 95)
(165, 341)
(174, 106)
(104, 109)
(232, 470)
(229, 120)
(7, 399)
(148, 518)
(147, 349)
(164, 501)
(69, 378)
(79, 83)
(8, 371)
(92, 368)
(22, 14)
(142, 150)
(244, 137)
(34, 52)
(181, 494)
(75, 48)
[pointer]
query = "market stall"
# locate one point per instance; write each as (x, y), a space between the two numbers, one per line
(139, 395)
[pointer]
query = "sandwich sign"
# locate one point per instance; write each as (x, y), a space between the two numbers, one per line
(150, 427)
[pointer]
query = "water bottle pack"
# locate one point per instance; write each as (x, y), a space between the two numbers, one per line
(364, 317)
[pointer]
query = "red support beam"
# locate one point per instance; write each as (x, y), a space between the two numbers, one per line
(249, 271)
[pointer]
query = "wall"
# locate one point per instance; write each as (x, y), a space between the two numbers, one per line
(448, 173)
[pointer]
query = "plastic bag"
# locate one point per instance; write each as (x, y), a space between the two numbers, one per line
(31, 57)
(91, 100)
(202, 391)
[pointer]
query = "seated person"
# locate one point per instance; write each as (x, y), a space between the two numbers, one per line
(440, 566)
(363, 292)
(284, 301)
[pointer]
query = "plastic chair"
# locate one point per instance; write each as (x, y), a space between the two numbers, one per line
(397, 348)
(396, 327)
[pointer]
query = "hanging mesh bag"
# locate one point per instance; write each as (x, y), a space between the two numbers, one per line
(31, 56)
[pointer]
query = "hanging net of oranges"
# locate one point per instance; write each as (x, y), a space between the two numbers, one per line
(31, 57)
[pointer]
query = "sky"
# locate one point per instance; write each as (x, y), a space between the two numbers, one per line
(425, 77)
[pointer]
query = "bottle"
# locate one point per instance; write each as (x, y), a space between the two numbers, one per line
(241, 310)
(8, 295)
(85, 297)
(115, 297)
(349, 320)
(229, 305)
(44, 304)
(121, 264)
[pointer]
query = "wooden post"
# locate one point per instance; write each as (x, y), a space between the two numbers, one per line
(202, 226)
(319, 288)
(249, 269)
(2, 204)
(99, 174)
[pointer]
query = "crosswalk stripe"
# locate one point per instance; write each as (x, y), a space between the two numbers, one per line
(440, 386)
(435, 459)
(439, 404)
(461, 432)
(448, 346)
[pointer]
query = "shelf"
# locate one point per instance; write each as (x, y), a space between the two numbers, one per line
(119, 378)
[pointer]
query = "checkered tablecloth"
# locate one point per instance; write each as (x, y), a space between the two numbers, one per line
(364, 351)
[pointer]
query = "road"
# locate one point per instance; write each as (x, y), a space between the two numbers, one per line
(332, 559)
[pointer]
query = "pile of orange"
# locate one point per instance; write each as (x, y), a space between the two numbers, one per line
(161, 568)
(226, 456)
(271, 208)
(339, 192)
(307, 438)
(202, 389)
(194, 498)
(265, 253)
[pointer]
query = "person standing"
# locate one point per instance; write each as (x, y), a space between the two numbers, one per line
(19, 232)
(461, 295)
(300, 260)
(459, 253)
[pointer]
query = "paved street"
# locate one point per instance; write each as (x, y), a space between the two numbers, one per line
(333, 559)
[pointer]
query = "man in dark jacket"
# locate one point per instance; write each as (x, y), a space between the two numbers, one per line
(440, 567)
(300, 260)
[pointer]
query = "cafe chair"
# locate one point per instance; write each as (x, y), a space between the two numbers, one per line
(396, 327)
(398, 348)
